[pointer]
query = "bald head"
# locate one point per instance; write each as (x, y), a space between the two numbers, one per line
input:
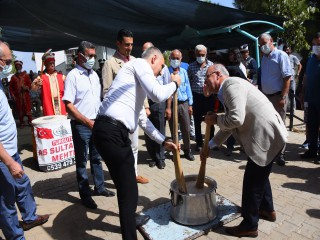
(5, 55)
(215, 75)
(176, 54)
(147, 45)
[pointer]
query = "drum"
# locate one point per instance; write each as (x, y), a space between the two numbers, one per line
(53, 142)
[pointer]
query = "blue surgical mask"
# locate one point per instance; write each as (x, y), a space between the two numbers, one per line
(266, 49)
(89, 63)
(201, 60)
(175, 63)
(6, 70)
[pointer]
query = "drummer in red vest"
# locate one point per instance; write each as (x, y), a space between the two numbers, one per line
(52, 84)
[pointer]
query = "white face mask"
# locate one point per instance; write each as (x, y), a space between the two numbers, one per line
(89, 63)
(266, 49)
(6, 70)
(175, 63)
(316, 50)
(201, 60)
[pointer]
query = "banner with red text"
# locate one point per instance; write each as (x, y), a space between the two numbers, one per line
(54, 142)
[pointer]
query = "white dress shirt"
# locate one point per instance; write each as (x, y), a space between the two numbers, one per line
(83, 90)
(124, 100)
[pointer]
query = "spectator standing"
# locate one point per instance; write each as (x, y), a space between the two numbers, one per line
(296, 69)
(13, 191)
(250, 63)
(201, 104)
(311, 85)
(110, 70)
(51, 84)
(82, 98)
(275, 79)
(20, 85)
(185, 101)
(157, 117)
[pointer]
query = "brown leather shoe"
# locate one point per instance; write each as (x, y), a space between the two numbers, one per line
(41, 219)
(142, 180)
(269, 216)
(238, 231)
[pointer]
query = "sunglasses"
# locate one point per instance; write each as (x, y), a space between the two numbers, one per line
(6, 61)
(89, 56)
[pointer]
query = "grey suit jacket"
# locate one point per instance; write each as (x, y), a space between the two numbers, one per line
(251, 118)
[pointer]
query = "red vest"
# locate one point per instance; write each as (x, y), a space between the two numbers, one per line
(47, 103)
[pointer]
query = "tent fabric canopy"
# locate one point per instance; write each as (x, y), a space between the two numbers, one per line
(37, 25)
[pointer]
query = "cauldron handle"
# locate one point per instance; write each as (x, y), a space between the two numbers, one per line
(175, 201)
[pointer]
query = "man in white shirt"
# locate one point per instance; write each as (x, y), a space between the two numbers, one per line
(119, 115)
(82, 98)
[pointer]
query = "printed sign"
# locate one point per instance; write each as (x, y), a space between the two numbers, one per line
(55, 149)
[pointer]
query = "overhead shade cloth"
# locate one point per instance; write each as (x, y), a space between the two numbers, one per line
(37, 25)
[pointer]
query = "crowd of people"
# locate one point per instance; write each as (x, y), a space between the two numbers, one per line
(107, 107)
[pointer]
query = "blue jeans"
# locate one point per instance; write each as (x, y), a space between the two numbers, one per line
(15, 191)
(82, 140)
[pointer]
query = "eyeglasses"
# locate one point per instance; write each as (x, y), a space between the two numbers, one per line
(6, 61)
(208, 75)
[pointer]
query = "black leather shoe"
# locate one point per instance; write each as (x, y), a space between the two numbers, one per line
(189, 156)
(89, 203)
(106, 193)
(281, 161)
(152, 164)
(141, 219)
(161, 165)
(317, 161)
(308, 154)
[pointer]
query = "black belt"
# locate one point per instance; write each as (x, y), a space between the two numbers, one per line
(273, 94)
(181, 102)
(112, 121)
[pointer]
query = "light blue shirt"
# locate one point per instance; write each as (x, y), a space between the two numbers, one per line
(8, 128)
(165, 76)
(184, 90)
(83, 90)
(274, 68)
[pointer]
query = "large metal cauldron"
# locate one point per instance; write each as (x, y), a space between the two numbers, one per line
(196, 207)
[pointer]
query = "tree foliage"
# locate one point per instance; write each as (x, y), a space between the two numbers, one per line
(295, 13)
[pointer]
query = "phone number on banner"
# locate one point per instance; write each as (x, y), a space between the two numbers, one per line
(59, 165)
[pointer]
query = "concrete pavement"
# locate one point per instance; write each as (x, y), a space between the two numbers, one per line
(296, 189)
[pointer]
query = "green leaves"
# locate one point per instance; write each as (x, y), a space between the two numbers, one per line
(296, 13)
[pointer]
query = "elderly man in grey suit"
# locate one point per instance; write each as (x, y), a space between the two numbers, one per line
(251, 118)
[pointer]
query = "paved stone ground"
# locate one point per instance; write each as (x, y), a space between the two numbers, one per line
(296, 189)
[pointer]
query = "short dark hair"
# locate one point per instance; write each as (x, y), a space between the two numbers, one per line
(124, 33)
(84, 45)
(237, 53)
(285, 47)
(317, 35)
